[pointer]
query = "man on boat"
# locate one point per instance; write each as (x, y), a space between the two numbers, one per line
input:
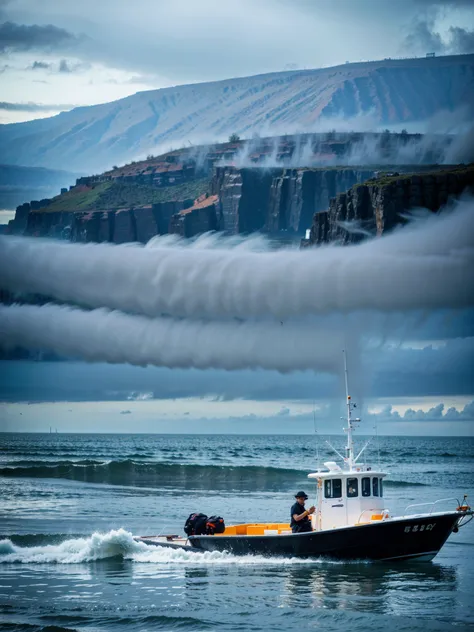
(300, 522)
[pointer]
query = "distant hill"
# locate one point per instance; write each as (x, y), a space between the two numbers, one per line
(94, 138)
(19, 184)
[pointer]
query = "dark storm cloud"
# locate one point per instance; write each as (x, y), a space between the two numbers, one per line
(462, 40)
(423, 38)
(33, 107)
(445, 371)
(22, 37)
(210, 40)
(448, 370)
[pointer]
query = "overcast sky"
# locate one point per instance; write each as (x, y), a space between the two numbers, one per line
(422, 387)
(59, 53)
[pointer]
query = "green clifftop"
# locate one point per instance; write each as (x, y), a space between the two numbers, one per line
(113, 195)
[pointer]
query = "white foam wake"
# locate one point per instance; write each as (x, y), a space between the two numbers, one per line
(100, 546)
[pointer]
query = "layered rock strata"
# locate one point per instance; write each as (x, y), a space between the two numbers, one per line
(276, 200)
(115, 225)
(378, 205)
(199, 218)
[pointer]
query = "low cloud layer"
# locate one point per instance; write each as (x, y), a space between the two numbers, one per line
(436, 413)
(436, 372)
(104, 336)
(33, 107)
(429, 265)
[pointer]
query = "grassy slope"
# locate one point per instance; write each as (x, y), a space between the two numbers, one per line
(386, 180)
(113, 195)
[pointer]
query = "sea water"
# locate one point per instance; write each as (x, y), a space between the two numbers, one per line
(71, 504)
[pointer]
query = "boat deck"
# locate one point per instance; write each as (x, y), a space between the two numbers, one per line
(257, 528)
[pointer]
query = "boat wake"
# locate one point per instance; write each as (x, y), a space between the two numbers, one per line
(121, 543)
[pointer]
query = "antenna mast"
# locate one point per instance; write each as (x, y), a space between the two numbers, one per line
(349, 459)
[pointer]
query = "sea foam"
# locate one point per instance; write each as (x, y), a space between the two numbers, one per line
(100, 546)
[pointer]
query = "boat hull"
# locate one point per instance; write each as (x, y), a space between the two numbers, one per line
(418, 537)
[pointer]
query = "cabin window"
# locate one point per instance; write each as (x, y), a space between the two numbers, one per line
(375, 486)
(381, 487)
(366, 486)
(333, 488)
(352, 487)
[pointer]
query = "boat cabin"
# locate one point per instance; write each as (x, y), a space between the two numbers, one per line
(347, 497)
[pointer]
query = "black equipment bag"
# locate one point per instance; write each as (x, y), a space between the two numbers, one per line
(215, 524)
(195, 524)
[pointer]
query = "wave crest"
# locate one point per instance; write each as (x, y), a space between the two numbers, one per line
(140, 474)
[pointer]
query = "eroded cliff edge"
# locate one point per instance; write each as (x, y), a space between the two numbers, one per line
(377, 205)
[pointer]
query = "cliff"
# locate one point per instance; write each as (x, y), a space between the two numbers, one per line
(107, 211)
(114, 225)
(93, 138)
(276, 201)
(279, 200)
(199, 218)
(378, 205)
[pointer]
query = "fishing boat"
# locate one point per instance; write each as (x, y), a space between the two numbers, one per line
(350, 521)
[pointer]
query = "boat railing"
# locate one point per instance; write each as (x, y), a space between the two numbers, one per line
(375, 514)
(431, 505)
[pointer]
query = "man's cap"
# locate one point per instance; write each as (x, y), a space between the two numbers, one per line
(301, 495)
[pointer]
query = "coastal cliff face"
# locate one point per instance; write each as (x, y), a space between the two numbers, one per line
(299, 193)
(115, 225)
(378, 205)
(197, 219)
(274, 200)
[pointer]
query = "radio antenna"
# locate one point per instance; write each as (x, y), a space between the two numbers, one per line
(316, 433)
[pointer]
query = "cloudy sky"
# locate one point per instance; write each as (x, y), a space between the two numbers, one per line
(425, 391)
(56, 54)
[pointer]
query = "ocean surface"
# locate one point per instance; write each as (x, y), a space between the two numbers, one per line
(70, 504)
